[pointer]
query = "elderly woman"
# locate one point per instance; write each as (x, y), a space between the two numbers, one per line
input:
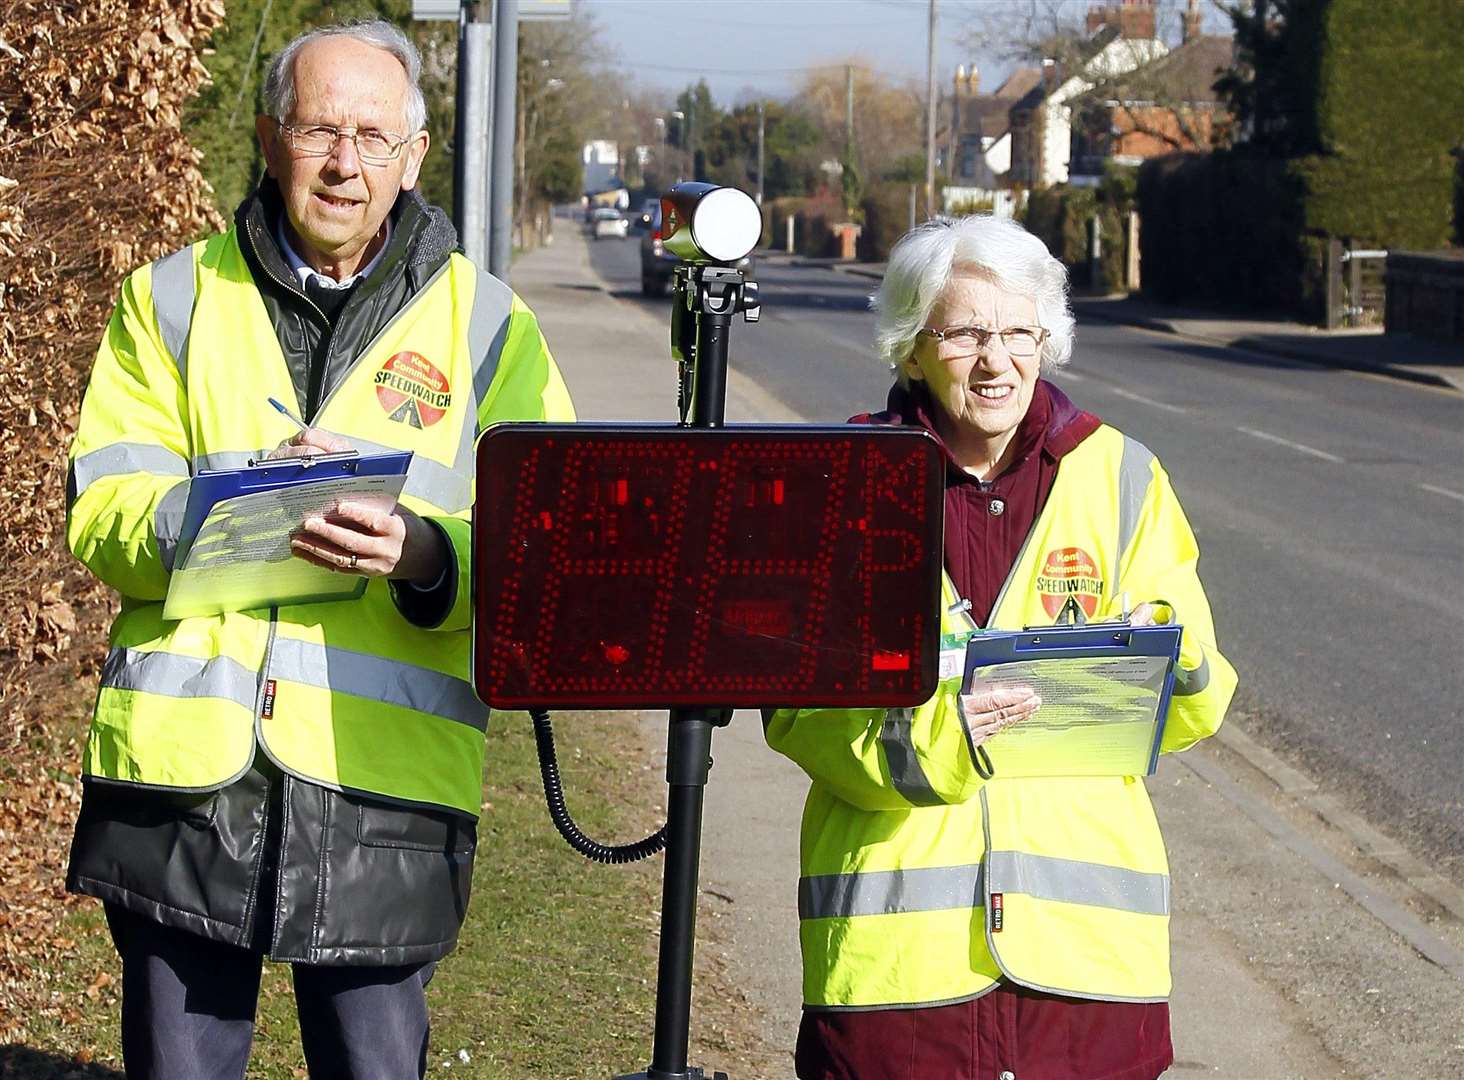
(956, 925)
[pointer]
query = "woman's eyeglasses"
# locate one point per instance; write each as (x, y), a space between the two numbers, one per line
(961, 341)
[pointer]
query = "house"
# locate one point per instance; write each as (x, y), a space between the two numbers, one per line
(1162, 107)
(1121, 39)
(980, 125)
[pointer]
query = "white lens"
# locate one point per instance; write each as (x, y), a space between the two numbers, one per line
(726, 224)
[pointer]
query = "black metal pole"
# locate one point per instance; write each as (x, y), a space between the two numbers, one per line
(688, 761)
(713, 301)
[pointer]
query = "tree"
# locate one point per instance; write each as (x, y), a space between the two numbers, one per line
(1273, 87)
(790, 155)
(888, 118)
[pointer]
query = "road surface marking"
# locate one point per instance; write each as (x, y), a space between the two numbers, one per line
(1302, 447)
(1445, 492)
(1064, 373)
(1142, 400)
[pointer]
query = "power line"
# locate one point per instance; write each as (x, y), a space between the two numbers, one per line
(831, 65)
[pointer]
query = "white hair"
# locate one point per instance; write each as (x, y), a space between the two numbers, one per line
(279, 82)
(927, 257)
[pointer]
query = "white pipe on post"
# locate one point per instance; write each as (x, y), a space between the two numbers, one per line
(473, 106)
(505, 120)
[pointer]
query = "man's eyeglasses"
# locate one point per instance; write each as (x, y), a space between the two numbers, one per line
(372, 145)
(961, 341)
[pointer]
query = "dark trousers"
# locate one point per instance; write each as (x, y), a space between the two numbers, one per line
(188, 1009)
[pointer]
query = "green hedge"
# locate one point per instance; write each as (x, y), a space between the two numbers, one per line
(1227, 230)
(1238, 228)
(1389, 110)
(886, 218)
(813, 215)
(1059, 216)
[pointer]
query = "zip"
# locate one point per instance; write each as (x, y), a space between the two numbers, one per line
(379, 335)
(254, 239)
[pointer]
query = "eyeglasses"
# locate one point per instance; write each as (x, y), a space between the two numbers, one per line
(962, 341)
(372, 145)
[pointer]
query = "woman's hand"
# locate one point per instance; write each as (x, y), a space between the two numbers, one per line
(990, 711)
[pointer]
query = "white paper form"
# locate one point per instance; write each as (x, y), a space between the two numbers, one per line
(1098, 715)
(241, 557)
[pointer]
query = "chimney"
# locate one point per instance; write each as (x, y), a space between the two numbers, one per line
(1131, 18)
(973, 81)
(1192, 19)
(1136, 19)
(1049, 74)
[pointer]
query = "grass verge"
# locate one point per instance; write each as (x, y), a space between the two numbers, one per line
(554, 974)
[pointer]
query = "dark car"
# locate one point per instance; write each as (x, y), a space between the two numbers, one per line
(656, 262)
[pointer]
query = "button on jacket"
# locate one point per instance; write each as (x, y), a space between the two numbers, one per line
(333, 751)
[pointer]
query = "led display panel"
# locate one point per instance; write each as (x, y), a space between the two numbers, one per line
(661, 567)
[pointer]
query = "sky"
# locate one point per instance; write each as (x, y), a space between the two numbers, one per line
(762, 47)
(750, 48)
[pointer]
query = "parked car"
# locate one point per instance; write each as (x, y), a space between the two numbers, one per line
(608, 222)
(657, 264)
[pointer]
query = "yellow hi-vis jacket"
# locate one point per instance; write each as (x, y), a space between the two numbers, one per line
(348, 694)
(921, 883)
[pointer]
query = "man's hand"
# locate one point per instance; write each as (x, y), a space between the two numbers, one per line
(987, 713)
(310, 441)
(356, 538)
(366, 540)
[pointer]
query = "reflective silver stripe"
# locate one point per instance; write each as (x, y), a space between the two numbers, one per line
(889, 892)
(177, 676)
(173, 291)
(905, 771)
(1192, 682)
(379, 679)
(168, 521)
(488, 330)
(120, 459)
(1069, 881)
(1134, 474)
(427, 479)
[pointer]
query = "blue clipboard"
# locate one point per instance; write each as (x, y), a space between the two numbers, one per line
(233, 549)
(1099, 674)
(211, 486)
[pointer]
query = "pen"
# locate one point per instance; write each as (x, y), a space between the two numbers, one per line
(288, 415)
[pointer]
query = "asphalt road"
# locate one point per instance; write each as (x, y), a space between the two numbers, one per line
(1329, 508)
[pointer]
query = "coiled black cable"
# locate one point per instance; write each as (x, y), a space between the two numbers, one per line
(559, 812)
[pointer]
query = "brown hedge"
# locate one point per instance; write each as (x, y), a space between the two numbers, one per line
(95, 179)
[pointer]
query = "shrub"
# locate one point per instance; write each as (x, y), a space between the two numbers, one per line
(886, 219)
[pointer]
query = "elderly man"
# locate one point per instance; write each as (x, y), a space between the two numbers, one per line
(299, 782)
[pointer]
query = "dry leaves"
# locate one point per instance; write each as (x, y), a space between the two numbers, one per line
(95, 178)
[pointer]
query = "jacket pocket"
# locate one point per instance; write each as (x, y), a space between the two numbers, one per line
(145, 807)
(381, 826)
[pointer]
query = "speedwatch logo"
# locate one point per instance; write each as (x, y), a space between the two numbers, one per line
(1070, 585)
(412, 390)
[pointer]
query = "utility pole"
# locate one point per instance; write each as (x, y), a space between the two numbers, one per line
(849, 105)
(761, 118)
(930, 117)
(505, 122)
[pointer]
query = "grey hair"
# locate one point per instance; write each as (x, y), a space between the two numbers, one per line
(279, 82)
(925, 259)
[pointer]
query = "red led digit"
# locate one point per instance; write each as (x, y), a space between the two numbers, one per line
(658, 567)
